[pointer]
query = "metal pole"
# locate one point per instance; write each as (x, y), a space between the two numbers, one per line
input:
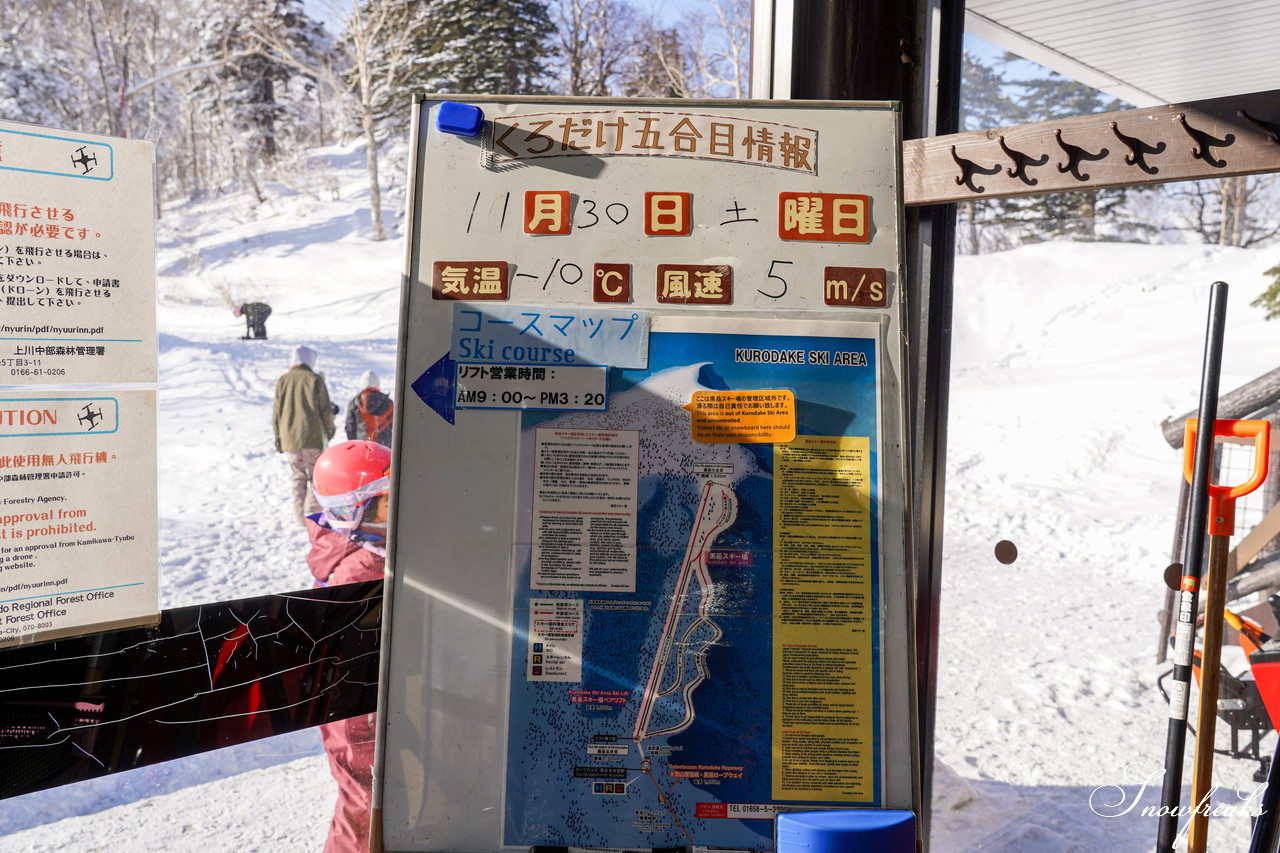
(1193, 557)
(1171, 592)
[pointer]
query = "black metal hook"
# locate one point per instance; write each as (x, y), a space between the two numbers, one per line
(966, 166)
(1203, 142)
(1138, 150)
(1196, 150)
(1074, 155)
(968, 169)
(1268, 129)
(1021, 162)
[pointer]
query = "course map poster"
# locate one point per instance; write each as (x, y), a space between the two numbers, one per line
(741, 674)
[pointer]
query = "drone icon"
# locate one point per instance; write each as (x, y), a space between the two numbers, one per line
(90, 416)
(85, 159)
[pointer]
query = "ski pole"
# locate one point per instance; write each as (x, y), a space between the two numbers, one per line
(1193, 553)
(1221, 525)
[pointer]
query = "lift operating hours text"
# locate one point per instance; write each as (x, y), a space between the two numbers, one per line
(522, 386)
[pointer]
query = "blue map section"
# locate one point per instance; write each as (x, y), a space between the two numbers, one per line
(672, 715)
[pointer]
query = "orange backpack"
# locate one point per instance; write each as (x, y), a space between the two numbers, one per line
(375, 425)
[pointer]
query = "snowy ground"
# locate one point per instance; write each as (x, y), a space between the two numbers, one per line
(1066, 357)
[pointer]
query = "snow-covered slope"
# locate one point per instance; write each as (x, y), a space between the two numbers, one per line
(1066, 357)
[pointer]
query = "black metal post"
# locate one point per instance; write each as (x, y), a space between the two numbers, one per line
(909, 52)
(1193, 558)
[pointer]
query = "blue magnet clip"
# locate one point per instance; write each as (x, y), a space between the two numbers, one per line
(459, 119)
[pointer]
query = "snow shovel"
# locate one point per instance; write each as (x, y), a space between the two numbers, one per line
(1221, 525)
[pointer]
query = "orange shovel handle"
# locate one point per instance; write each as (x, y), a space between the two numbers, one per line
(1222, 499)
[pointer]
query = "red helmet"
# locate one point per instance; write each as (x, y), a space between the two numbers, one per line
(347, 477)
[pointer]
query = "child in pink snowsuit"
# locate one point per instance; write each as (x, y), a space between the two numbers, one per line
(348, 544)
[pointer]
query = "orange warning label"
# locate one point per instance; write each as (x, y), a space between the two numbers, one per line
(748, 417)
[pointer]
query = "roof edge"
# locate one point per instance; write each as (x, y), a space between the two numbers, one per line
(1001, 36)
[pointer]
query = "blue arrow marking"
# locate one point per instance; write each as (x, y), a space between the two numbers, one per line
(435, 387)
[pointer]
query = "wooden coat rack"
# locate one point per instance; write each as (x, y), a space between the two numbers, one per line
(1219, 138)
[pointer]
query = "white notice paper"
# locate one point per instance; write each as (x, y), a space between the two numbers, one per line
(77, 258)
(584, 509)
(78, 525)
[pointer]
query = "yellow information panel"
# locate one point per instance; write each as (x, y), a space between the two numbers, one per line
(824, 686)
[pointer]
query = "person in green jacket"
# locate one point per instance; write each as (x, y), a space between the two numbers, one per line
(302, 418)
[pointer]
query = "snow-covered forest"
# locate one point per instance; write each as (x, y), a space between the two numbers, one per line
(234, 92)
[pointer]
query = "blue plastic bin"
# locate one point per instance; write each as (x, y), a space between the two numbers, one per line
(847, 831)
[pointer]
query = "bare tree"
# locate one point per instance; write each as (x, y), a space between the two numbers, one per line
(40, 80)
(134, 68)
(659, 67)
(94, 47)
(720, 46)
(124, 42)
(109, 37)
(594, 40)
(1236, 211)
(705, 55)
(106, 66)
(378, 28)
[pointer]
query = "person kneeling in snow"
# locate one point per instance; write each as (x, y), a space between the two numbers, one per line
(352, 482)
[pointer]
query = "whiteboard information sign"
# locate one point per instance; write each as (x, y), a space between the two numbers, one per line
(649, 545)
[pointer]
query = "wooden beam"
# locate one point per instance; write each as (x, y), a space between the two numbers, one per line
(1219, 138)
(1240, 403)
(1265, 576)
(1254, 541)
